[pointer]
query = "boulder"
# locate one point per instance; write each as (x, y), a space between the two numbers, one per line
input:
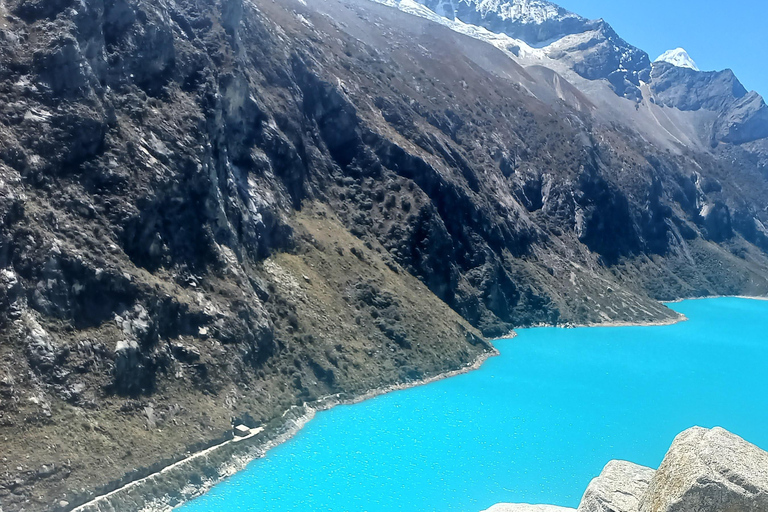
(40, 348)
(619, 488)
(703, 471)
(709, 470)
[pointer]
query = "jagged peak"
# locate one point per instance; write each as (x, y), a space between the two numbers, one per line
(528, 12)
(678, 57)
(524, 11)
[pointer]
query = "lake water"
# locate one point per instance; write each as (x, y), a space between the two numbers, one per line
(533, 425)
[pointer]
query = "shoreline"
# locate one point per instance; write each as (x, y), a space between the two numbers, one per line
(655, 323)
(747, 297)
(233, 455)
(170, 487)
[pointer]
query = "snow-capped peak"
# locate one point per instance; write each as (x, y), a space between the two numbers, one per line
(678, 57)
(534, 12)
(523, 11)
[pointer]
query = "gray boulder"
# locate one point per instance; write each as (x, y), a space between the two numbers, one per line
(703, 471)
(40, 348)
(619, 488)
(709, 471)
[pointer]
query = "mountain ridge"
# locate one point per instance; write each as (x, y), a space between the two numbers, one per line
(594, 51)
(539, 22)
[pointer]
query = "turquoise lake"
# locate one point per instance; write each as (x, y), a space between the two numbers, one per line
(533, 425)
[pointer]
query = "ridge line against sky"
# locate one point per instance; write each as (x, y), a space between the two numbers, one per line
(717, 35)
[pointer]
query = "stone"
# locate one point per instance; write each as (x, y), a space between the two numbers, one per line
(619, 488)
(709, 470)
(40, 348)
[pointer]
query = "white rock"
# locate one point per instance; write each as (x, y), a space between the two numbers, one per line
(619, 488)
(241, 431)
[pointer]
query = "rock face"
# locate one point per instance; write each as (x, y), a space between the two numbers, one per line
(619, 488)
(709, 470)
(703, 471)
(742, 116)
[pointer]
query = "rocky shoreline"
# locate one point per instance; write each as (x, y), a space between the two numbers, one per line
(191, 477)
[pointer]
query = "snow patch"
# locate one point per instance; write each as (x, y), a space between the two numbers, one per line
(678, 57)
(523, 11)
(509, 45)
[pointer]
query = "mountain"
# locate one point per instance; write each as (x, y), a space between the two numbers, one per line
(533, 21)
(678, 57)
(742, 116)
(593, 49)
(542, 33)
(214, 210)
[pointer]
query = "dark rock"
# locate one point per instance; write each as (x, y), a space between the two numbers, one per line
(184, 353)
(688, 89)
(717, 221)
(33, 10)
(40, 348)
(133, 372)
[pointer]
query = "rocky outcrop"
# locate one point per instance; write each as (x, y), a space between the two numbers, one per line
(703, 471)
(689, 89)
(619, 488)
(709, 470)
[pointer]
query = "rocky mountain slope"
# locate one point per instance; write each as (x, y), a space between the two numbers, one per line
(540, 32)
(590, 47)
(213, 210)
(704, 470)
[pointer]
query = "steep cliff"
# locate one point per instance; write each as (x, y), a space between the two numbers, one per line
(213, 210)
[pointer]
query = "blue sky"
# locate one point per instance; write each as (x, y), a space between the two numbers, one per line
(717, 34)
